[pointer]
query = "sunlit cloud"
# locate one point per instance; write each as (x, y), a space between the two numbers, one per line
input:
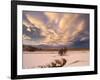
(66, 21)
(48, 33)
(26, 23)
(68, 27)
(84, 38)
(38, 23)
(80, 27)
(25, 37)
(52, 16)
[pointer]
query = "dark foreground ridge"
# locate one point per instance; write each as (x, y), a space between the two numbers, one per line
(32, 48)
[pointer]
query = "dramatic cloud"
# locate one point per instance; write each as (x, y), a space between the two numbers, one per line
(49, 34)
(66, 21)
(38, 23)
(62, 28)
(80, 27)
(52, 16)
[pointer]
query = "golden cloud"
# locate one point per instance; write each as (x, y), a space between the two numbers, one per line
(38, 23)
(52, 16)
(66, 21)
(80, 27)
(65, 33)
(26, 23)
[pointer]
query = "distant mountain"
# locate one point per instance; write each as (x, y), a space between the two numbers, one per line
(32, 48)
(40, 47)
(29, 48)
(76, 45)
(50, 46)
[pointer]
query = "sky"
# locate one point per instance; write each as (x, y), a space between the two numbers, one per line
(55, 29)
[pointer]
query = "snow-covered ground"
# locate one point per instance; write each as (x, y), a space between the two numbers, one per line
(45, 58)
